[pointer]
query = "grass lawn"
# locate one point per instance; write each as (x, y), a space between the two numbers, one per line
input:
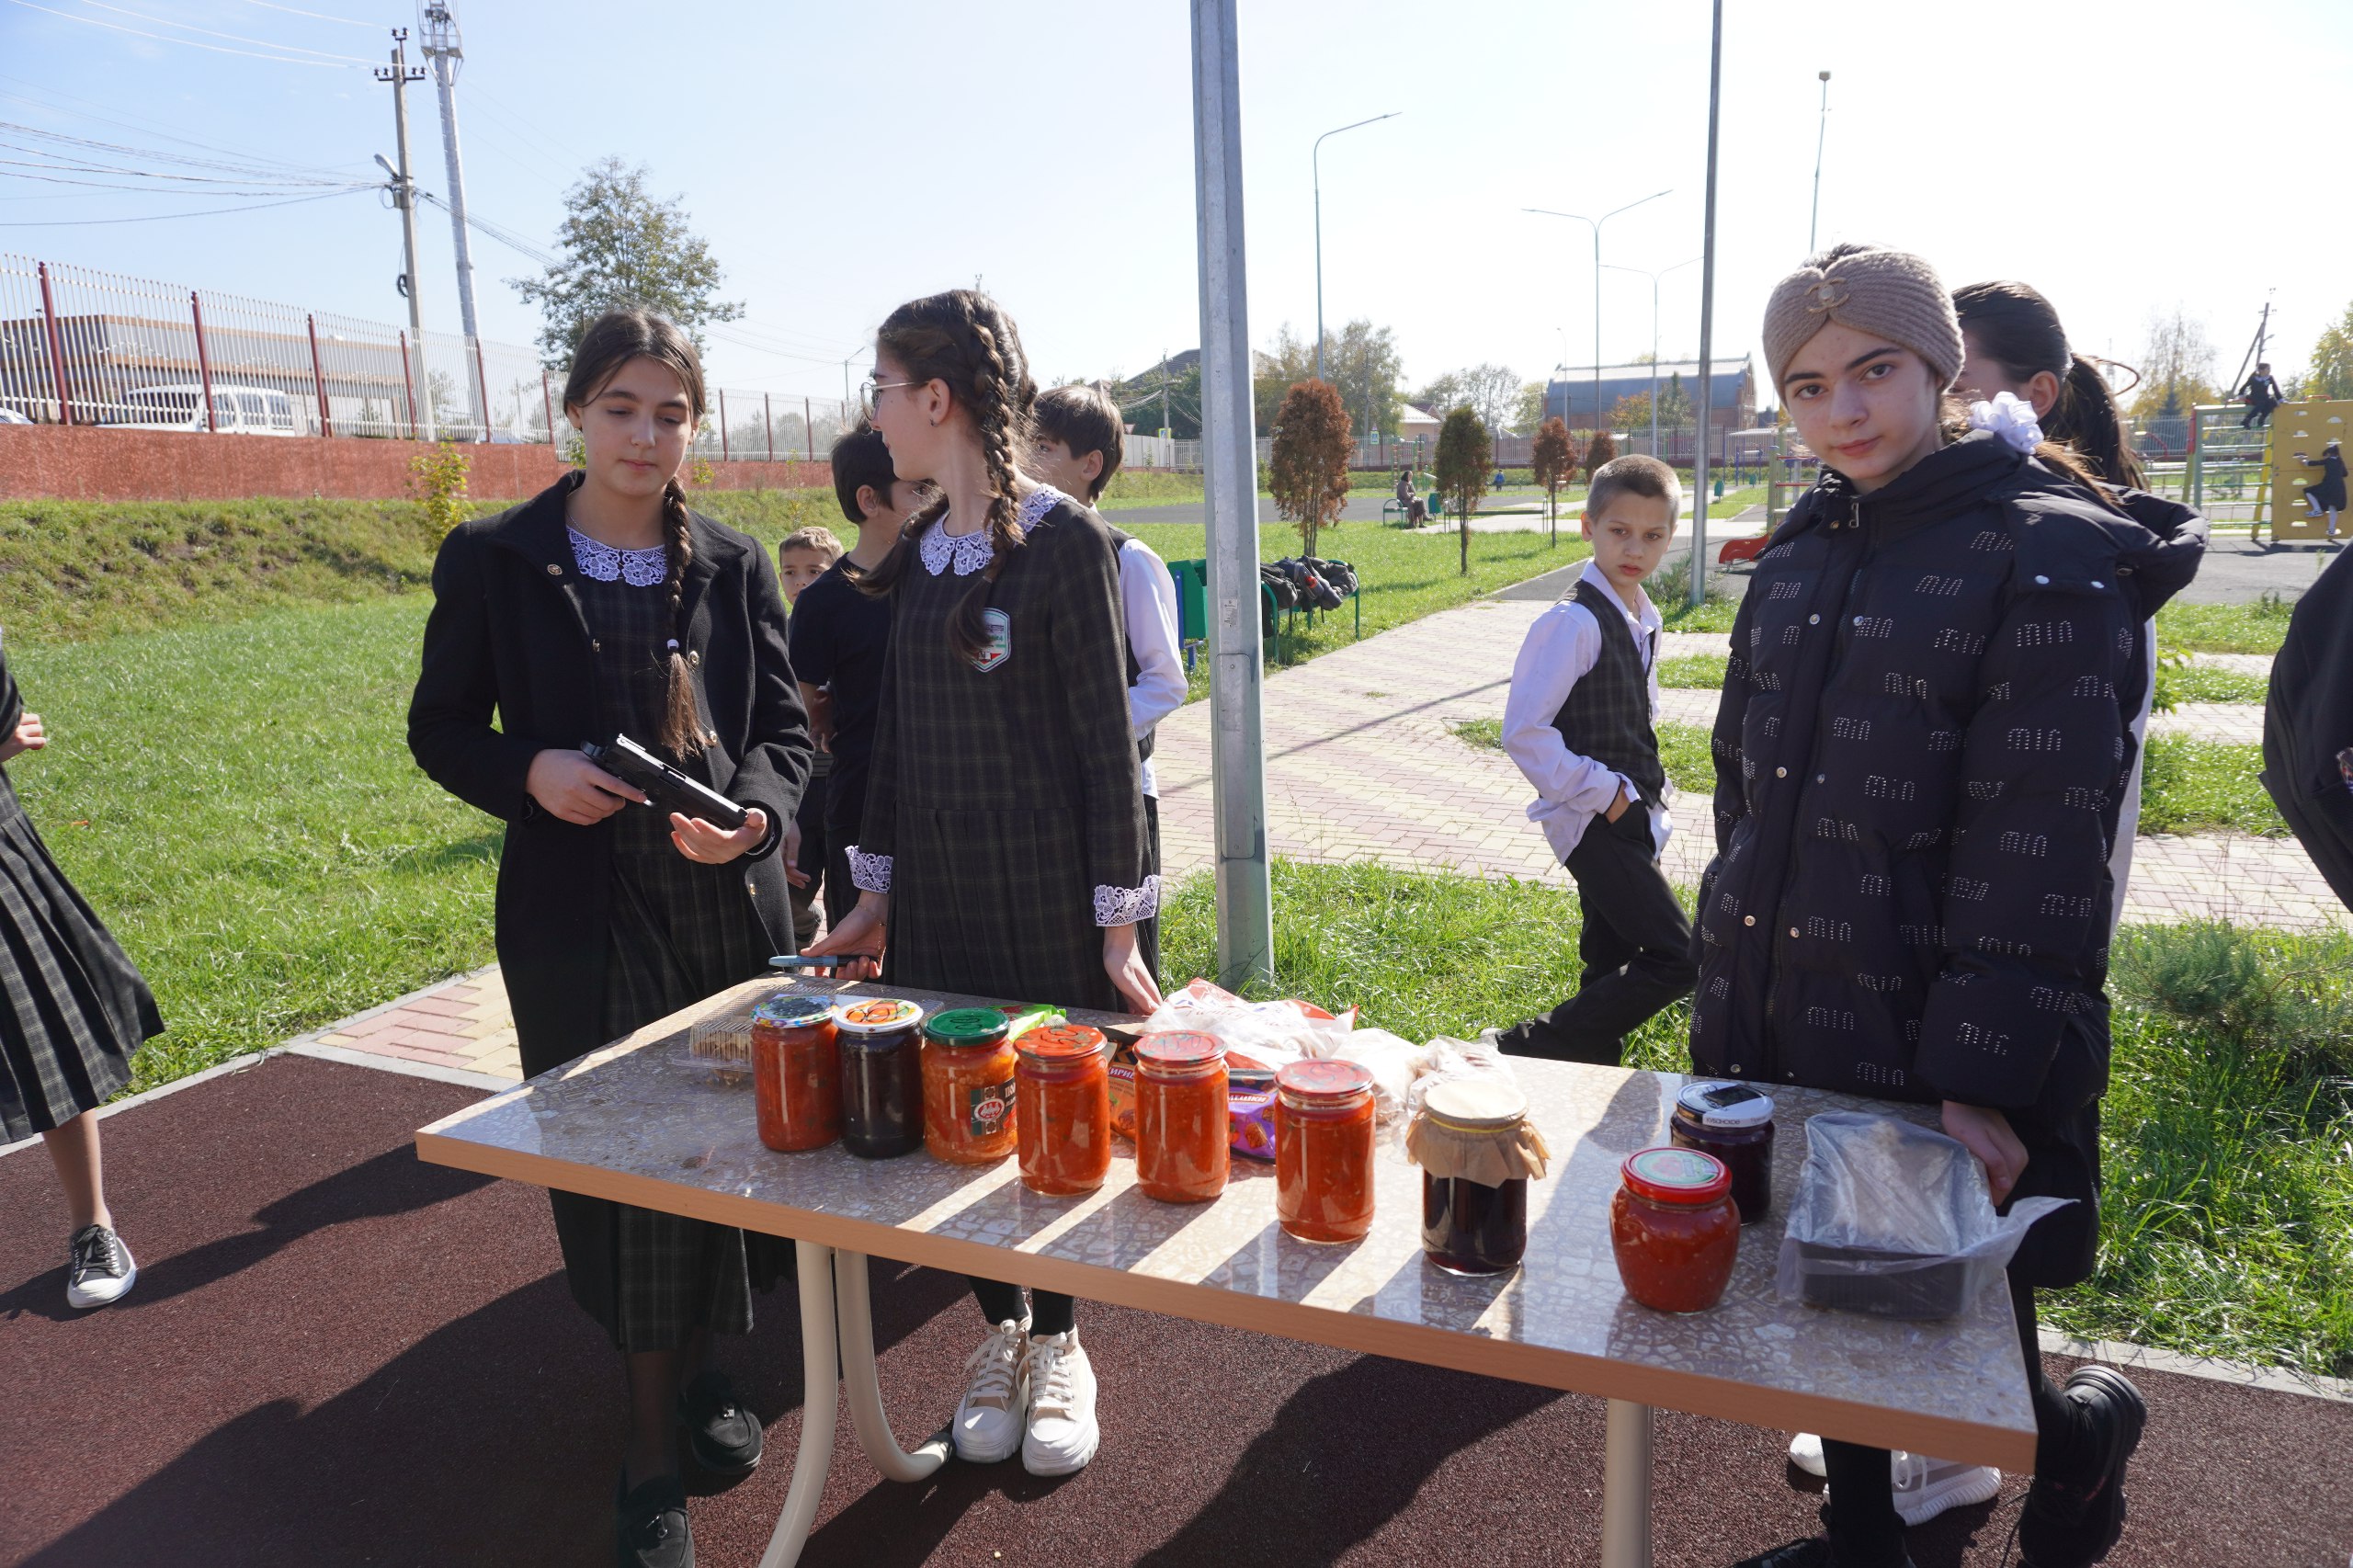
(1682, 750)
(2228, 1223)
(2207, 683)
(2255, 628)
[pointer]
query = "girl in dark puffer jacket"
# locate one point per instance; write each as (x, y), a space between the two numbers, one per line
(1925, 727)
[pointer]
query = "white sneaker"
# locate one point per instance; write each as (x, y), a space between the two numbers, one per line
(989, 1416)
(1063, 1433)
(1924, 1487)
(99, 1270)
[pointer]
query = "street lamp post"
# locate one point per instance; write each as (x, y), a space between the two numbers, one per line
(1654, 277)
(1315, 166)
(1821, 129)
(1707, 310)
(1596, 224)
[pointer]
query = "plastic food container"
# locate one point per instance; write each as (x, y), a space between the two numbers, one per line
(1735, 1123)
(796, 1072)
(1674, 1229)
(1476, 1151)
(1323, 1150)
(881, 1055)
(1184, 1136)
(1064, 1128)
(968, 1093)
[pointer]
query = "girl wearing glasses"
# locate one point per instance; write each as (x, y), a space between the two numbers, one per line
(1002, 851)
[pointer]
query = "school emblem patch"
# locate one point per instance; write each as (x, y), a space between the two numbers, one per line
(1000, 643)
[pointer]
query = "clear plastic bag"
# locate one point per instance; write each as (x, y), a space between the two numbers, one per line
(1444, 1058)
(1894, 1221)
(1269, 1034)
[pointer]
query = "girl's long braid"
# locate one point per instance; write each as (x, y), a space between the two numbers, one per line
(682, 732)
(999, 411)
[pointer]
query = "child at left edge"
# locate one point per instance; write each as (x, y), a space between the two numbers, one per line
(1579, 723)
(801, 557)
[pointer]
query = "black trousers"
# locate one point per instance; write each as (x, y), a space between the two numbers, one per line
(1636, 946)
(2258, 414)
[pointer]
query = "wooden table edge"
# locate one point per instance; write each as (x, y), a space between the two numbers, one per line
(1697, 1394)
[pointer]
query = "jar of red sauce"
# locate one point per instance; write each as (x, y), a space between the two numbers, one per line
(1184, 1147)
(968, 1106)
(1064, 1128)
(1674, 1229)
(881, 1051)
(796, 1072)
(1735, 1123)
(1323, 1150)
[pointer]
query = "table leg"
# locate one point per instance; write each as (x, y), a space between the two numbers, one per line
(865, 1389)
(819, 1378)
(1626, 1488)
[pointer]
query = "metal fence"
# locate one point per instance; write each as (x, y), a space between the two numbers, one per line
(87, 347)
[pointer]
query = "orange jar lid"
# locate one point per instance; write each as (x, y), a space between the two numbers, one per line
(1062, 1045)
(1179, 1051)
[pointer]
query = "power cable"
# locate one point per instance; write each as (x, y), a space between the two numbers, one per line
(314, 16)
(42, 92)
(159, 216)
(166, 38)
(233, 37)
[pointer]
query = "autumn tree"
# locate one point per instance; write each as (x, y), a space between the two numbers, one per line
(1465, 448)
(1555, 461)
(1603, 447)
(618, 246)
(2331, 372)
(2176, 367)
(1309, 474)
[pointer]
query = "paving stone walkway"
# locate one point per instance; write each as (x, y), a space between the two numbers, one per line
(1362, 762)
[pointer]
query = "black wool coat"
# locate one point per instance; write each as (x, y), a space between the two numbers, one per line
(507, 636)
(2308, 719)
(1923, 738)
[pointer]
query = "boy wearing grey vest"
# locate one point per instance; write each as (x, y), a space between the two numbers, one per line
(1578, 723)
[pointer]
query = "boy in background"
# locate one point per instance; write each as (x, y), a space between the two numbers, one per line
(1080, 439)
(1578, 722)
(801, 557)
(837, 637)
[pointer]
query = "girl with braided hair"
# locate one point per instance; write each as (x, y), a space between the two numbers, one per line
(1002, 851)
(603, 605)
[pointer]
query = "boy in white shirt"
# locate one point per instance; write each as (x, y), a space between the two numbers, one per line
(1579, 723)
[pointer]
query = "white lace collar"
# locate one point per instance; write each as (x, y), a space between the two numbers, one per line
(638, 568)
(968, 554)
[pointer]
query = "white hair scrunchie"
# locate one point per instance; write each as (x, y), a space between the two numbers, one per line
(2010, 418)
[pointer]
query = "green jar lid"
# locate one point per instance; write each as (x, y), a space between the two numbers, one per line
(966, 1026)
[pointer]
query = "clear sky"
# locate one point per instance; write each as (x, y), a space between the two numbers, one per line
(2122, 157)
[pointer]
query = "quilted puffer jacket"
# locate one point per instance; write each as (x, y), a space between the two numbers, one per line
(1923, 737)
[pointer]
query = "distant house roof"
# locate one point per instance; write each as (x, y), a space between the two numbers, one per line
(1412, 414)
(1727, 379)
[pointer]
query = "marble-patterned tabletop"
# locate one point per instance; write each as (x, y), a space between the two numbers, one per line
(642, 1122)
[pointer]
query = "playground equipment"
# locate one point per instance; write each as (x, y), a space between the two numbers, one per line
(2306, 425)
(2234, 474)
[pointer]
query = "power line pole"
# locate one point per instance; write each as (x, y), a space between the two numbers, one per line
(447, 52)
(400, 73)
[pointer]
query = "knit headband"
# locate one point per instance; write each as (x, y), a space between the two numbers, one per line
(1888, 293)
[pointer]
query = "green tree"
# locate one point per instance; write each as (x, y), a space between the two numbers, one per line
(1554, 462)
(619, 248)
(1309, 472)
(2331, 372)
(1464, 450)
(1362, 363)
(1275, 371)
(2176, 367)
(1527, 414)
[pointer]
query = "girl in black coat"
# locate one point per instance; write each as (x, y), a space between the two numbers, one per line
(1925, 726)
(603, 605)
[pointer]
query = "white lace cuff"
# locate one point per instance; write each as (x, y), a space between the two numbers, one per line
(869, 873)
(1125, 906)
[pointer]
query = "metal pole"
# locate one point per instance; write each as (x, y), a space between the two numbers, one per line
(445, 50)
(57, 351)
(768, 419)
(722, 424)
(1597, 341)
(808, 429)
(400, 73)
(481, 382)
(203, 363)
(408, 385)
(547, 405)
(1245, 937)
(1821, 129)
(318, 378)
(1316, 168)
(1707, 320)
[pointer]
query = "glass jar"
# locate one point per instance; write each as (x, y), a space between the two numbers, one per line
(1184, 1138)
(968, 1108)
(1323, 1150)
(1674, 1229)
(796, 1072)
(881, 1051)
(1735, 1123)
(1471, 1142)
(1064, 1128)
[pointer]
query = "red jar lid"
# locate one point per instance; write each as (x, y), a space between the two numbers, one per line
(1182, 1050)
(1321, 1079)
(1669, 1174)
(1062, 1043)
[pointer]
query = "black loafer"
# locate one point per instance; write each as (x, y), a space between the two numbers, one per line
(650, 1524)
(723, 1436)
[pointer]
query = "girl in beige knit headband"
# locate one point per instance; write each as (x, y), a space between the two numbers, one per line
(1924, 730)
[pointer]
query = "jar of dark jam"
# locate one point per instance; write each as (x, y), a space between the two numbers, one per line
(1735, 1123)
(882, 1051)
(1476, 1151)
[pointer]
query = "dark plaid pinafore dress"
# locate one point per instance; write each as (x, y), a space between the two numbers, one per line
(71, 1007)
(680, 931)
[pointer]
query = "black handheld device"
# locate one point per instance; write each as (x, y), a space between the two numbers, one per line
(669, 789)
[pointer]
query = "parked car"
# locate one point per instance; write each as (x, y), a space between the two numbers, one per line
(11, 417)
(240, 410)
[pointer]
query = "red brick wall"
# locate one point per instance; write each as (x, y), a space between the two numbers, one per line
(75, 463)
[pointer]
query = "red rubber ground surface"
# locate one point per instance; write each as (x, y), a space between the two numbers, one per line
(336, 1355)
